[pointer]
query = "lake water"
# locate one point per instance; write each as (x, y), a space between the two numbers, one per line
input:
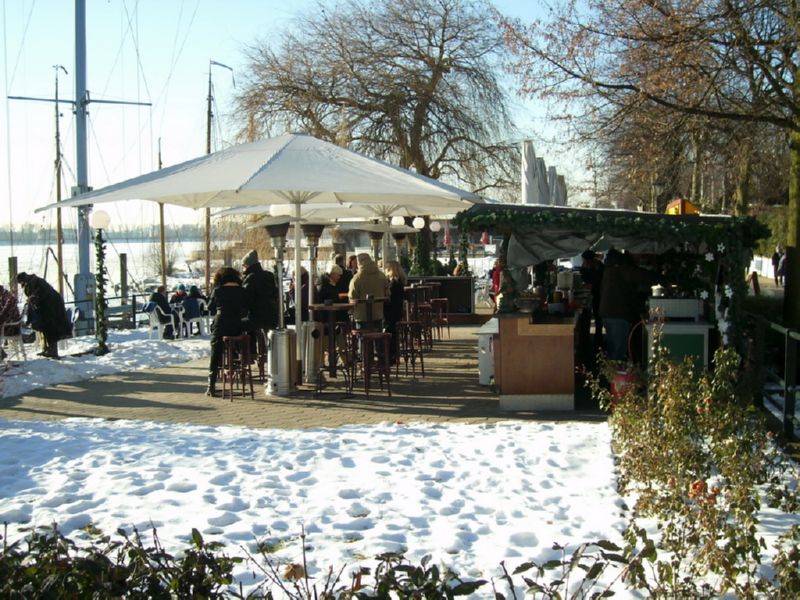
(143, 261)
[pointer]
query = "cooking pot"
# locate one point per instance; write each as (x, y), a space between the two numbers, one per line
(657, 291)
(558, 296)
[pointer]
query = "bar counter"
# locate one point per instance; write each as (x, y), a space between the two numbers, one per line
(534, 362)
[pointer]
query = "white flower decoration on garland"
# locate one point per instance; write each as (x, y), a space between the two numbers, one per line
(728, 291)
(721, 247)
(709, 257)
(704, 294)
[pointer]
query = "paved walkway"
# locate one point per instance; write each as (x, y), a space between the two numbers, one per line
(448, 392)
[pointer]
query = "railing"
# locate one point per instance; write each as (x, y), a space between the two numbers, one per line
(773, 355)
(121, 311)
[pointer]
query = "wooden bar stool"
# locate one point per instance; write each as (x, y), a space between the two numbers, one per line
(409, 337)
(375, 348)
(426, 319)
(236, 361)
(440, 308)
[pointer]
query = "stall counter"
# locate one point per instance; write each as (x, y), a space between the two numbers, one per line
(534, 362)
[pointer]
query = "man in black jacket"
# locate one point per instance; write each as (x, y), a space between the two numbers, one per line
(260, 295)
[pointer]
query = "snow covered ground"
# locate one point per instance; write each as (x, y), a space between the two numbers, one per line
(470, 495)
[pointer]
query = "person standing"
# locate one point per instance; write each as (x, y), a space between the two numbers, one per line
(776, 260)
(592, 275)
(368, 281)
(347, 274)
(393, 308)
(228, 307)
(261, 295)
(620, 301)
(9, 313)
(46, 312)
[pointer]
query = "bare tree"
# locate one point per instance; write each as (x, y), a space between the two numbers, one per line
(414, 82)
(734, 61)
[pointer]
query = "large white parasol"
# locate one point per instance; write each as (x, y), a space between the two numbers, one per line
(290, 169)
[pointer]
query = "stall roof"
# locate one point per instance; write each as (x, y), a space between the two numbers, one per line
(540, 233)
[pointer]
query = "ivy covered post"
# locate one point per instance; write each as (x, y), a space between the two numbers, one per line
(100, 221)
(421, 261)
(463, 253)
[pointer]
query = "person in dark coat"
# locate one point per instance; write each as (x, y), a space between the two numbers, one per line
(347, 274)
(592, 275)
(46, 312)
(261, 294)
(167, 314)
(776, 259)
(178, 295)
(228, 307)
(620, 302)
(9, 310)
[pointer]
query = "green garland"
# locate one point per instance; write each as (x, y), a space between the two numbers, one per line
(463, 253)
(713, 248)
(101, 323)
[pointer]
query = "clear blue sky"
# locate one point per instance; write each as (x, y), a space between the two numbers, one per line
(154, 51)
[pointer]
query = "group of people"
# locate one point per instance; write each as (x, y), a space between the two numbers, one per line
(247, 302)
(169, 309)
(363, 278)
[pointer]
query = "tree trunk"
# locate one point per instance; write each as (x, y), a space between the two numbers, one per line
(791, 295)
(741, 197)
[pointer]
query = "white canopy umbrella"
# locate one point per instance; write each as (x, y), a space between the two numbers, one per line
(289, 169)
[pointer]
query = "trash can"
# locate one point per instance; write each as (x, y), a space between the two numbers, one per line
(486, 351)
(312, 350)
(282, 358)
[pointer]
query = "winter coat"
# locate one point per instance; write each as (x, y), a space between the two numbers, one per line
(261, 297)
(368, 280)
(228, 305)
(9, 310)
(393, 309)
(619, 293)
(46, 312)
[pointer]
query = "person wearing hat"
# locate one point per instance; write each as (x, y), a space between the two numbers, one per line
(179, 295)
(260, 294)
(45, 312)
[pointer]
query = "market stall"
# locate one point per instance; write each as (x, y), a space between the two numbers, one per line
(542, 329)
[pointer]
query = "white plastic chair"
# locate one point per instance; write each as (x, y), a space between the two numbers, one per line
(482, 289)
(157, 326)
(12, 342)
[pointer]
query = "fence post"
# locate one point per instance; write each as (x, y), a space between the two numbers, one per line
(123, 277)
(789, 382)
(12, 273)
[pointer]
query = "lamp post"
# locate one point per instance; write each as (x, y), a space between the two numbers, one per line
(99, 221)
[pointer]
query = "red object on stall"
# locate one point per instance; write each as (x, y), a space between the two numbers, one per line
(623, 381)
(447, 239)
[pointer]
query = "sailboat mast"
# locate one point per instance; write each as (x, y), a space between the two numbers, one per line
(59, 225)
(161, 229)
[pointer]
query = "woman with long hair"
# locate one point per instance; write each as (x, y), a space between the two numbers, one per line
(393, 308)
(227, 304)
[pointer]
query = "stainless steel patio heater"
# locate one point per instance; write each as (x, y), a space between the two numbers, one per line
(311, 341)
(281, 380)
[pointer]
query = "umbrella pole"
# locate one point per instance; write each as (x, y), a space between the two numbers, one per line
(298, 284)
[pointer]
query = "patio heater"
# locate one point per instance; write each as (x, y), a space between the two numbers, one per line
(281, 379)
(399, 238)
(311, 332)
(375, 239)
